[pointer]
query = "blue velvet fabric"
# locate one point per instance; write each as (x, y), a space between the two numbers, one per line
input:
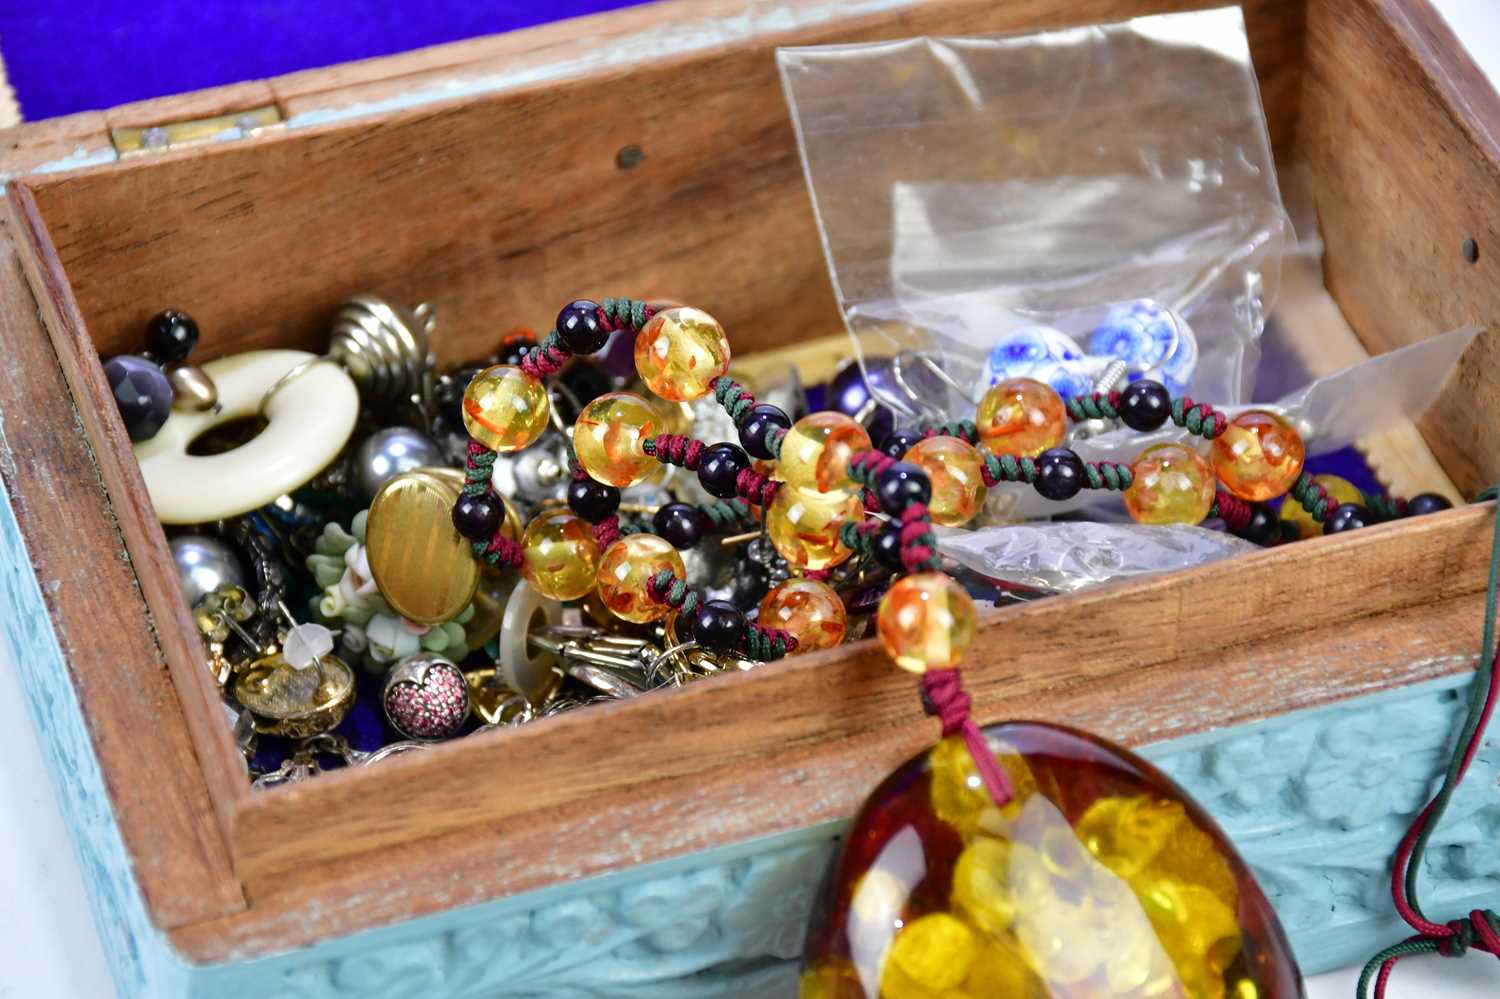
(64, 56)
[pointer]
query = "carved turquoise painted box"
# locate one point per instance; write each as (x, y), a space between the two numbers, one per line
(670, 846)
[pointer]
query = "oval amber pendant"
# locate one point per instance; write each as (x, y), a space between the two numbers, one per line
(1100, 878)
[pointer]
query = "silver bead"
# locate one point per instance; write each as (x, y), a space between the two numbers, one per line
(192, 389)
(538, 473)
(388, 453)
(204, 564)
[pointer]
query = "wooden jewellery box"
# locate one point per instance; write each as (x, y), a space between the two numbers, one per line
(670, 846)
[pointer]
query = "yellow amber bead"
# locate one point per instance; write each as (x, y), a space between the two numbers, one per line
(1258, 456)
(505, 409)
(679, 353)
(1340, 490)
(609, 437)
(809, 610)
(1172, 484)
(559, 556)
(804, 526)
(815, 453)
(926, 621)
(957, 474)
(1021, 417)
(624, 570)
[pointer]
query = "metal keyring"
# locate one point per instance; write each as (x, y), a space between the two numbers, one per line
(293, 373)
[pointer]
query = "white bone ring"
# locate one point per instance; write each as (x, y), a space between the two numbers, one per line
(309, 419)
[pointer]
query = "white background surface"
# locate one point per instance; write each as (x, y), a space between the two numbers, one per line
(50, 950)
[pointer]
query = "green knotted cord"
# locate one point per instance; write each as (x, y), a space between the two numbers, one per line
(1478, 692)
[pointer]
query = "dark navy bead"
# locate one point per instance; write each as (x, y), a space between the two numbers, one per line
(591, 500)
(900, 485)
(887, 547)
(681, 524)
(584, 381)
(171, 336)
(748, 583)
(850, 394)
(142, 392)
(718, 625)
(719, 468)
(757, 423)
(899, 442)
(1347, 518)
(578, 325)
(1059, 474)
(448, 393)
(478, 517)
(1424, 503)
(1145, 405)
(1264, 527)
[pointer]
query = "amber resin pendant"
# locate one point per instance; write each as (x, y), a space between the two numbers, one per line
(1100, 878)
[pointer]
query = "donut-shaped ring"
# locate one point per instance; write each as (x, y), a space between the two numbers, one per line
(309, 420)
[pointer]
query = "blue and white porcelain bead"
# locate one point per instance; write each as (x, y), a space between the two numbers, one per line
(1042, 353)
(1150, 338)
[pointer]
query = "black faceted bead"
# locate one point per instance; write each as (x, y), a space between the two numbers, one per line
(142, 392)
(513, 352)
(1347, 518)
(899, 442)
(1059, 474)
(1424, 503)
(578, 325)
(900, 485)
(681, 524)
(887, 547)
(171, 336)
(718, 625)
(478, 517)
(591, 500)
(748, 583)
(1264, 527)
(757, 423)
(720, 466)
(1145, 404)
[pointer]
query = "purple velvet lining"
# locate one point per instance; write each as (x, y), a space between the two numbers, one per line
(78, 55)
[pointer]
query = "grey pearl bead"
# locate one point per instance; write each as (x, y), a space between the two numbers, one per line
(192, 389)
(203, 564)
(388, 453)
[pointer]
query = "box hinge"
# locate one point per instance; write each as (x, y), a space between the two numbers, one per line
(174, 135)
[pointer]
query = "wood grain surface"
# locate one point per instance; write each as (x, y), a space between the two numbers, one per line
(88, 581)
(220, 764)
(1398, 126)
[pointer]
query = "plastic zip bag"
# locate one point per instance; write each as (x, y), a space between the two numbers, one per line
(1021, 193)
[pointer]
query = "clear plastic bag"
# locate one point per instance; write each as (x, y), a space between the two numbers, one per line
(1071, 555)
(993, 201)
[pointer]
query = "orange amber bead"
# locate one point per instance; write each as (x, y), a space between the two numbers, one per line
(609, 435)
(1172, 484)
(1099, 878)
(559, 555)
(1340, 490)
(815, 453)
(1258, 456)
(926, 621)
(624, 570)
(505, 409)
(957, 474)
(1021, 417)
(804, 526)
(679, 353)
(809, 610)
